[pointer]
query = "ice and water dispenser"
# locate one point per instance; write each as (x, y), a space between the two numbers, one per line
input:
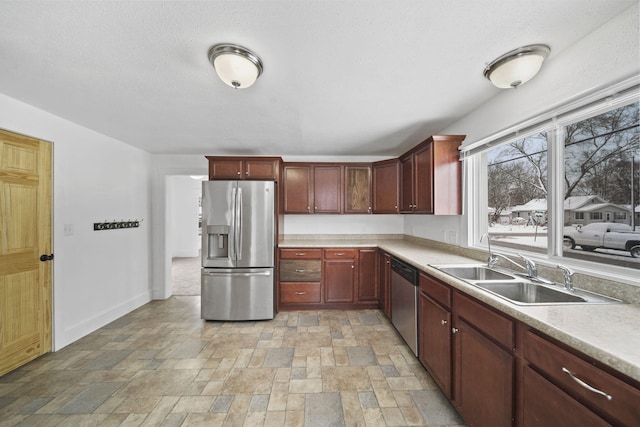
(217, 242)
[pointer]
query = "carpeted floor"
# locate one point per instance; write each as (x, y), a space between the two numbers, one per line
(185, 276)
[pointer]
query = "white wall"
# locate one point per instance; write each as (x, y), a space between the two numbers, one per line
(343, 224)
(184, 192)
(98, 275)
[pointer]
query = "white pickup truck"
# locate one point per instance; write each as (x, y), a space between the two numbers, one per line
(606, 235)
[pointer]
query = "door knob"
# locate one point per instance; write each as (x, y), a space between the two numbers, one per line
(45, 257)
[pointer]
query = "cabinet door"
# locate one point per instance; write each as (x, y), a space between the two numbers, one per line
(384, 268)
(339, 280)
(327, 189)
(406, 184)
(297, 189)
(423, 180)
(367, 275)
(545, 405)
(483, 372)
(357, 189)
(385, 187)
(225, 169)
(261, 169)
(434, 325)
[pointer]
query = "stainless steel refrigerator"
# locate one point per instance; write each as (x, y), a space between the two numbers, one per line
(238, 240)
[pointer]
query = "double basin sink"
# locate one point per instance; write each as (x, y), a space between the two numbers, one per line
(519, 289)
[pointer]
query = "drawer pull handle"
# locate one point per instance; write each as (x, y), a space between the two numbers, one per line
(301, 253)
(300, 271)
(585, 385)
(443, 322)
(339, 253)
(300, 293)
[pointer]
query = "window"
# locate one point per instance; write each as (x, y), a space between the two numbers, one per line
(597, 172)
(619, 216)
(517, 191)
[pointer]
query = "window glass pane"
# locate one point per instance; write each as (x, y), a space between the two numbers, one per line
(517, 193)
(602, 180)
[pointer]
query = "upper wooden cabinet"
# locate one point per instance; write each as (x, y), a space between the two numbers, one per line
(431, 177)
(357, 189)
(327, 185)
(385, 186)
(258, 168)
(327, 188)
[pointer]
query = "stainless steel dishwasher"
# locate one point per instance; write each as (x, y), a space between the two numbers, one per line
(404, 302)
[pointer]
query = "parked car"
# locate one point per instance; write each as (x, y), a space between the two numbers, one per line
(606, 235)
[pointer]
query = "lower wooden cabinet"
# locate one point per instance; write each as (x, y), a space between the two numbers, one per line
(484, 364)
(328, 278)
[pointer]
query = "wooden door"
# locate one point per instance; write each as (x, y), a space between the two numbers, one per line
(261, 169)
(339, 280)
(25, 235)
(297, 189)
(225, 169)
(483, 384)
(406, 184)
(357, 189)
(423, 180)
(327, 189)
(367, 275)
(385, 187)
(435, 341)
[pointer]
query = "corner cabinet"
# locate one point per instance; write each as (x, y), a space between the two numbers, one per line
(256, 168)
(431, 177)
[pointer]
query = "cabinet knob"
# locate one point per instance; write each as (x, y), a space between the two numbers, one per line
(238, 172)
(454, 330)
(352, 266)
(315, 207)
(395, 207)
(443, 322)
(246, 173)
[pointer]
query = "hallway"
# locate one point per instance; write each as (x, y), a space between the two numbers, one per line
(163, 365)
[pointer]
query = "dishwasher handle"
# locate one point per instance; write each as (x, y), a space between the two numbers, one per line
(406, 271)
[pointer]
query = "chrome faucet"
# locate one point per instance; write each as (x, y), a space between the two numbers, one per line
(492, 260)
(532, 269)
(568, 277)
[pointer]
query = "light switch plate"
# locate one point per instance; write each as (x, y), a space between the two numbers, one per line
(68, 229)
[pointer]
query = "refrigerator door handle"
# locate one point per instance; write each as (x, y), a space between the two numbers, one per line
(232, 233)
(238, 235)
(262, 273)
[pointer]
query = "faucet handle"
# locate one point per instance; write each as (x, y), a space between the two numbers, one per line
(532, 270)
(568, 277)
(566, 270)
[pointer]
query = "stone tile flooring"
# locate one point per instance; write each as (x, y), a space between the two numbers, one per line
(161, 365)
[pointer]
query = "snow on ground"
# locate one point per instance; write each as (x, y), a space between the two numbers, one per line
(528, 235)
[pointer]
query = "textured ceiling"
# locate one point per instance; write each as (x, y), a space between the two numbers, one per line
(340, 77)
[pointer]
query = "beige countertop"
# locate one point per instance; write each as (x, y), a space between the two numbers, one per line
(609, 333)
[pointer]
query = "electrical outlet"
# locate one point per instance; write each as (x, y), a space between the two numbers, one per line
(68, 229)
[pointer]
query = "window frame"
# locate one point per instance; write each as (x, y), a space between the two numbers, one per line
(474, 158)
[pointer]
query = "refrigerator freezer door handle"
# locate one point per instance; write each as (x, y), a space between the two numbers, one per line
(238, 235)
(262, 273)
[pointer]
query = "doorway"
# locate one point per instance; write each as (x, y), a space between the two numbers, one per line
(185, 237)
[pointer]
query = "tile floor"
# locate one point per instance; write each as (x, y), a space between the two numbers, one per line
(161, 365)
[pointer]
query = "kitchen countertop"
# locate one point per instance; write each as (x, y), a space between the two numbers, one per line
(608, 333)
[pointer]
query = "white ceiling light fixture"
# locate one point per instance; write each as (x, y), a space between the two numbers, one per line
(517, 67)
(236, 66)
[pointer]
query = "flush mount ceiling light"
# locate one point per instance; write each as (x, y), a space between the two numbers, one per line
(236, 66)
(517, 67)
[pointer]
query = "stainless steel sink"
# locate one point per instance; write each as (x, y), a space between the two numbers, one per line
(529, 293)
(519, 290)
(474, 272)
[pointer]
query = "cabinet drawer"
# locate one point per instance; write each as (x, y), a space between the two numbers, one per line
(299, 292)
(437, 291)
(490, 322)
(300, 253)
(300, 270)
(553, 362)
(340, 253)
